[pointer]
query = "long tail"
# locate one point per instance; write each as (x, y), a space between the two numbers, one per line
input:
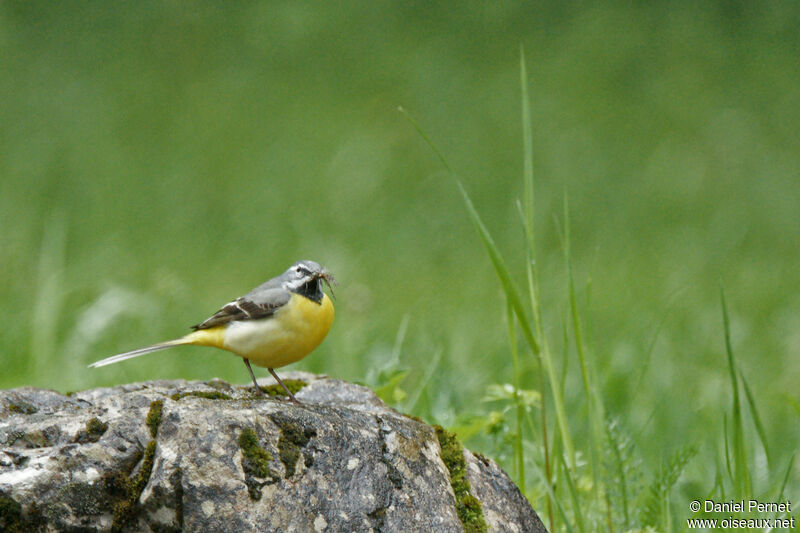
(141, 351)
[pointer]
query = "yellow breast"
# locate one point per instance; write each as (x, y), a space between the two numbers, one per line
(287, 336)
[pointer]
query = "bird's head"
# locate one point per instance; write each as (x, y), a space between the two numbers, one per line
(303, 272)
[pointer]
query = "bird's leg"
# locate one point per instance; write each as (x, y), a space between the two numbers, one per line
(258, 389)
(291, 396)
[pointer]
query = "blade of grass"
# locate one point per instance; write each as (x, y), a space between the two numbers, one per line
(425, 137)
(786, 478)
(573, 493)
(762, 435)
(512, 294)
(645, 361)
(618, 463)
(558, 506)
(609, 518)
(532, 428)
(528, 223)
(527, 208)
(499, 264)
(593, 400)
(557, 450)
(519, 455)
(564, 350)
(545, 442)
(741, 466)
(513, 297)
(527, 150)
(394, 360)
(793, 403)
(573, 307)
(718, 489)
(725, 435)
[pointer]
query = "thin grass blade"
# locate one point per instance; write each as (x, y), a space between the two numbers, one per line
(513, 296)
(786, 478)
(559, 507)
(741, 465)
(573, 493)
(519, 455)
(751, 401)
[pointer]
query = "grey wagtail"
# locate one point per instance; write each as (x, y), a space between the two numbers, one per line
(275, 324)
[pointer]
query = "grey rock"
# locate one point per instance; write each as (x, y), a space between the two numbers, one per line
(155, 456)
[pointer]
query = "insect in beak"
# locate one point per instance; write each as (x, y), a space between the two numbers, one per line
(329, 281)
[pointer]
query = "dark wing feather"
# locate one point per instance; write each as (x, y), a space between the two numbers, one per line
(261, 302)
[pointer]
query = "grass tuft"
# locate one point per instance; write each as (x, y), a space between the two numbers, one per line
(654, 510)
(596, 487)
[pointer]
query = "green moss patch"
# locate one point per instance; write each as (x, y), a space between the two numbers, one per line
(14, 520)
(95, 428)
(255, 462)
(219, 384)
(154, 417)
(256, 459)
(177, 483)
(141, 479)
(10, 515)
(209, 395)
(468, 506)
(124, 489)
(294, 385)
(293, 437)
(24, 408)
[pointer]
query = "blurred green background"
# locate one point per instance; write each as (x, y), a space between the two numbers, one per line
(160, 158)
